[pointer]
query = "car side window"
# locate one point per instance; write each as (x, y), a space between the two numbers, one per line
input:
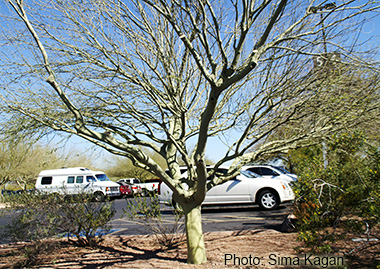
(70, 180)
(256, 170)
(268, 172)
(79, 179)
(90, 179)
(220, 172)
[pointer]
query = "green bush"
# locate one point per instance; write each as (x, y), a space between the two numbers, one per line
(344, 197)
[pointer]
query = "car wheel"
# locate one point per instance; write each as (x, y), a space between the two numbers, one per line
(268, 200)
(98, 196)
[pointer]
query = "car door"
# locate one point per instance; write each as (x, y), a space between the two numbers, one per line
(70, 185)
(235, 190)
(79, 184)
(211, 196)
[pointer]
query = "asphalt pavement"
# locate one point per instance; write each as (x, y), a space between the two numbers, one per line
(231, 218)
(215, 218)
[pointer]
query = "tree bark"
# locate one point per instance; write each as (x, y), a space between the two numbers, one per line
(196, 251)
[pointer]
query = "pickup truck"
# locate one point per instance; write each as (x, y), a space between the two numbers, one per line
(246, 188)
(148, 186)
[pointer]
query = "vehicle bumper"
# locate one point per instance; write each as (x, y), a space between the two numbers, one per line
(113, 194)
(287, 196)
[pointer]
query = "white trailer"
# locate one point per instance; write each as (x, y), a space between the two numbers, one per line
(71, 181)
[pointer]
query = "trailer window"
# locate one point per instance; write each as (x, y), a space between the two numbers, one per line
(70, 180)
(46, 180)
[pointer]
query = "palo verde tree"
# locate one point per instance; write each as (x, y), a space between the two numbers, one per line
(156, 74)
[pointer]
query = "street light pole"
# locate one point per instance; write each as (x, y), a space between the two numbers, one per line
(315, 9)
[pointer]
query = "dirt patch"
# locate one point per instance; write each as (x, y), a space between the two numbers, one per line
(144, 252)
(245, 249)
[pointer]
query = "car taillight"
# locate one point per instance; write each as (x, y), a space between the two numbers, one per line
(107, 189)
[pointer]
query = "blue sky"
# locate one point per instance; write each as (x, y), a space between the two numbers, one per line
(215, 148)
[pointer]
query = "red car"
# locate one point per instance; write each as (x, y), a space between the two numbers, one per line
(125, 189)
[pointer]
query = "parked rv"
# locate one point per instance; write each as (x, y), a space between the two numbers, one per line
(71, 181)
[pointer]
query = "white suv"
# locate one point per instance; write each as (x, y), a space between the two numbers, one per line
(271, 171)
(246, 188)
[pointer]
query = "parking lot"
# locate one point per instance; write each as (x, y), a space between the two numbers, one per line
(213, 219)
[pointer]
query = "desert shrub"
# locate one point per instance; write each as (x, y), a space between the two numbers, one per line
(343, 197)
(38, 216)
(147, 211)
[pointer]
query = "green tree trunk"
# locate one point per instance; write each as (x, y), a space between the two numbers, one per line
(196, 251)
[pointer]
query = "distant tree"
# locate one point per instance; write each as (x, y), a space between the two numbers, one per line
(338, 87)
(21, 162)
(119, 167)
(160, 74)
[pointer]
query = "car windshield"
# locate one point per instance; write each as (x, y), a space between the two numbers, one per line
(282, 169)
(249, 174)
(102, 177)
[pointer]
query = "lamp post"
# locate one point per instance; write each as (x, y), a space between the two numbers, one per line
(323, 61)
(315, 9)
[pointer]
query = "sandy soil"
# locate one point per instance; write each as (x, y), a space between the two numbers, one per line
(240, 249)
(248, 249)
(144, 252)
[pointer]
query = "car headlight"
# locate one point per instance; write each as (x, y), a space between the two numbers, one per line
(285, 185)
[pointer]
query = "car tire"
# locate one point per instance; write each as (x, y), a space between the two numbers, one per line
(268, 200)
(98, 196)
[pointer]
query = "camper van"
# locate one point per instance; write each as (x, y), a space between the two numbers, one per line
(77, 180)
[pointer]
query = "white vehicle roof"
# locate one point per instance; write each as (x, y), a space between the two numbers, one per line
(69, 171)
